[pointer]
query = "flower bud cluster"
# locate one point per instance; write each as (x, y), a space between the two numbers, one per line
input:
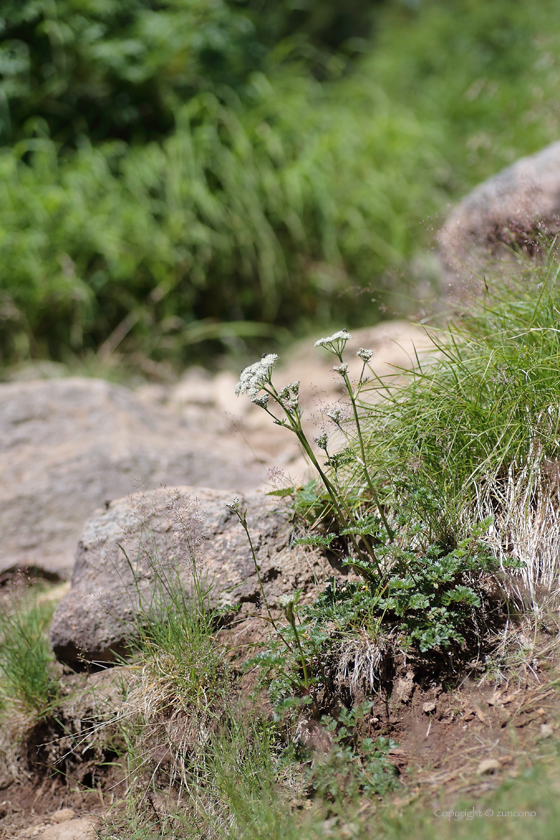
(322, 441)
(335, 414)
(261, 400)
(364, 355)
(289, 396)
(234, 504)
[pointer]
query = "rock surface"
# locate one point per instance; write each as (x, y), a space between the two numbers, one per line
(203, 399)
(68, 445)
(508, 212)
(160, 531)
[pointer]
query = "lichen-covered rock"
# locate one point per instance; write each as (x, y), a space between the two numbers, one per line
(509, 212)
(141, 548)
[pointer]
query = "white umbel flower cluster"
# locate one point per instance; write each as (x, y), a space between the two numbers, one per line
(254, 377)
(334, 343)
(342, 369)
(364, 355)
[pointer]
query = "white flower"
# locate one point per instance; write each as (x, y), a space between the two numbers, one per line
(321, 441)
(342, 369)
(254, 377)
(269, 360)
(334, 343)
(287, 604)
(365, 355)
(288, 600)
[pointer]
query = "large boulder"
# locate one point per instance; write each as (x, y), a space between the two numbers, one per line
(138, 550)
(69, 445)
(511, 212)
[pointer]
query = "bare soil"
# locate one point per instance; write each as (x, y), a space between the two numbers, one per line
(453, 739)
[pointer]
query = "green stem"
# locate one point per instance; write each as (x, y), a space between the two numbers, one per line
(243, 519)
(291, 618)
(343, 516)
(375, 497)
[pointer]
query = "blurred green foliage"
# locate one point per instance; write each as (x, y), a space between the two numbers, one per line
(484, 72)
(168, 167)
(89, 71)
(119, 69)
(258, 215)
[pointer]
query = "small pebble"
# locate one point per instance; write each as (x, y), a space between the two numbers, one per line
(80, 829)
(546, 730)
(488, 766)
(429, 707)
(63, 815)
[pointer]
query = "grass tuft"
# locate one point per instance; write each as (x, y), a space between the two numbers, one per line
(26, 661)
(476, 434)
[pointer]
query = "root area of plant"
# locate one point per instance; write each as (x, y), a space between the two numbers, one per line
(457, 736)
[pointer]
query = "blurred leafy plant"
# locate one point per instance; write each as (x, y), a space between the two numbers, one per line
(110, 69)
(115, 70)
(356, 765)
(183, 172)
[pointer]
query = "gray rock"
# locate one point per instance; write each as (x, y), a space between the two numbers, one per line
(68, 445)
(138, 549)
(508, 212)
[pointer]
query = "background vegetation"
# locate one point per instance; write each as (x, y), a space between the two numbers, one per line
(168, 167)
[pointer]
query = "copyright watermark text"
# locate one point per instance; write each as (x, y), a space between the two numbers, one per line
(472, 814)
